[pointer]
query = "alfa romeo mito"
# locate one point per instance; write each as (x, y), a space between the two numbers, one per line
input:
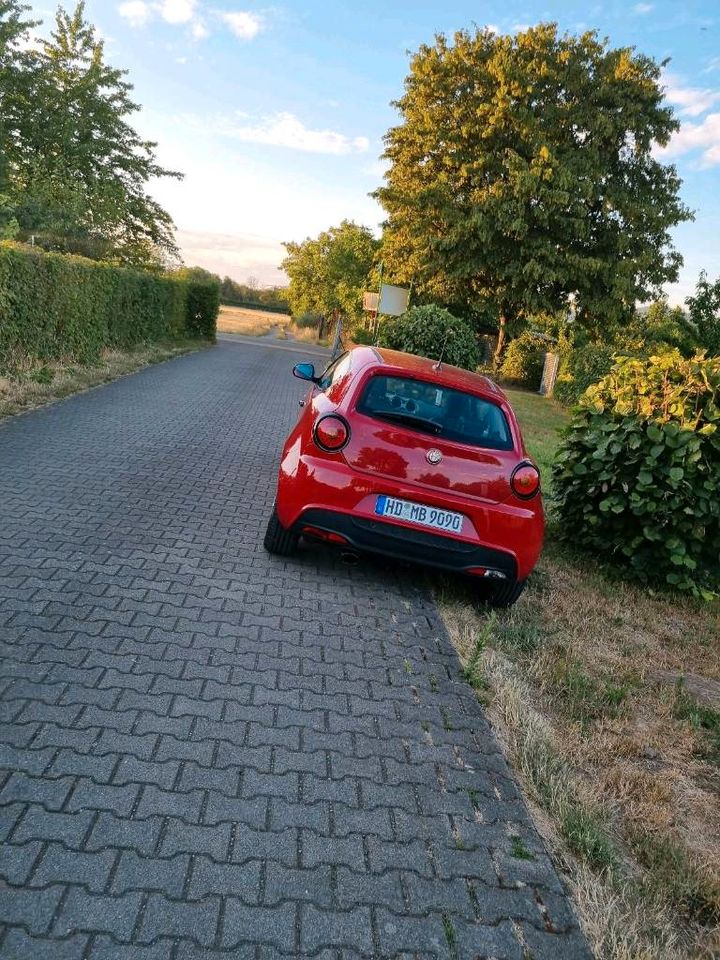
(413, 459)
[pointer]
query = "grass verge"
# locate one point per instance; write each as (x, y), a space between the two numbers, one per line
(605, 698)
(36, 384)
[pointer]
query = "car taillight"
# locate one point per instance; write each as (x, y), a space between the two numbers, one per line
(331, 432)
(525, 480)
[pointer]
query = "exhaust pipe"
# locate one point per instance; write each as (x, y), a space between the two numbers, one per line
(349, 557)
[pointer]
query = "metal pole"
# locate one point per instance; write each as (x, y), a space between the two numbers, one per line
(337, 343)
(376, 327)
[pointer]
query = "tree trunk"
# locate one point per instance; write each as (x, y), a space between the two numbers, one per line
(500, 348)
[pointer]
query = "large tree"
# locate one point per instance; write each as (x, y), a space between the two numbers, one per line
(76, 170)
(522, 174)
(704, 311)
(14, 28)
(329, 273)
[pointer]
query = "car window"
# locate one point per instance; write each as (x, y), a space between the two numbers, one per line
(334, 371)
(437, 410)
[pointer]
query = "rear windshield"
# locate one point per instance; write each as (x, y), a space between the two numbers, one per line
(436, 410)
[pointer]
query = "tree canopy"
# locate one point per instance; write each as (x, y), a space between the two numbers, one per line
(329, 273)
(704, 313)
(522, 174)
(74, 171)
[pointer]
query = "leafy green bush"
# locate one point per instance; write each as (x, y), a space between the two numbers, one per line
(203, 305)
(580, 367)
(524, 360)
(363, 337)
(308, 321)
(637, 478)
(56, 306)
(657, 329)
(432, 331)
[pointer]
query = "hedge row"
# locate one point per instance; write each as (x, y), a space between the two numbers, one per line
(54, 306)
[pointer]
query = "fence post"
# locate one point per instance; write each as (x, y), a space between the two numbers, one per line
(549, 374)
(337, 342)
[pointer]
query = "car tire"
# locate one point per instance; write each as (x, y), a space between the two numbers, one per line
(505, 593)
(278, 540)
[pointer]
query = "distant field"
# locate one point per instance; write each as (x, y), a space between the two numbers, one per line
(251, 323)
(258, 323)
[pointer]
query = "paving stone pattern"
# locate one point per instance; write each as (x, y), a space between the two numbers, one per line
(208, 752)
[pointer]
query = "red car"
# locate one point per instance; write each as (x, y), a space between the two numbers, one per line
(413, 459)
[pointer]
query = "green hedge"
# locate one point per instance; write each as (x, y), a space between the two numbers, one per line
(432, 331)
(524, 360)
(55, 306)
(202, 308)
(580, 368)
(637, 478)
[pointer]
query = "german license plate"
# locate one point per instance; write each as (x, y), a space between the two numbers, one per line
(419, 514)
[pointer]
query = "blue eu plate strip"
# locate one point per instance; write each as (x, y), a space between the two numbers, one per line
(380, 505)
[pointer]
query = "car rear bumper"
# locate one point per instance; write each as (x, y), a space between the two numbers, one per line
(499, 536)
(402, 543)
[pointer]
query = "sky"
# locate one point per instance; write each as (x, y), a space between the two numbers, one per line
(276, 114)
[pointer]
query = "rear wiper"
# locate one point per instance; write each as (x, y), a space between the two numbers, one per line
(431, 426)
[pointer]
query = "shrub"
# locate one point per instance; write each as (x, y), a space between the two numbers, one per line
(55, 306)
(637, 477)
(308, 321)
(656, 330)
(524, 360)
(432, 331)
(363, 337)
(580, 368)
(203, 304)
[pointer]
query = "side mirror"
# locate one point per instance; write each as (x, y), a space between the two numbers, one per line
(305, 371)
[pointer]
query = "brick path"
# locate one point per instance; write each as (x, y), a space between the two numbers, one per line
(211, 753)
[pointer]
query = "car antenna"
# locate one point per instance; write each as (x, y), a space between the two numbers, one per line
(438, 363)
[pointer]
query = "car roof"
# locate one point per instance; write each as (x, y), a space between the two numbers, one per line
(445, 373)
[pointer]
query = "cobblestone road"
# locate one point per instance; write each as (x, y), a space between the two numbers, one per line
(208, 752)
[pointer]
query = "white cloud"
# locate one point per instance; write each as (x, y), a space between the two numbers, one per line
(703, 136)
(177, 11)
(285, 130)
(691, 101)
(243, 24)
(199, 30)
(136, 12)
(139, 13)
(492, 28)
(642, 8)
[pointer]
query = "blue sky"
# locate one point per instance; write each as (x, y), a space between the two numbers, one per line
(276, 113)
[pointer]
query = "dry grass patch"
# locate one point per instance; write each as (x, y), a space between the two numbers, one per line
(251, 323)
(583, 681)
(607, 698)
(262, 323)
(34, 384)
(304, 335)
